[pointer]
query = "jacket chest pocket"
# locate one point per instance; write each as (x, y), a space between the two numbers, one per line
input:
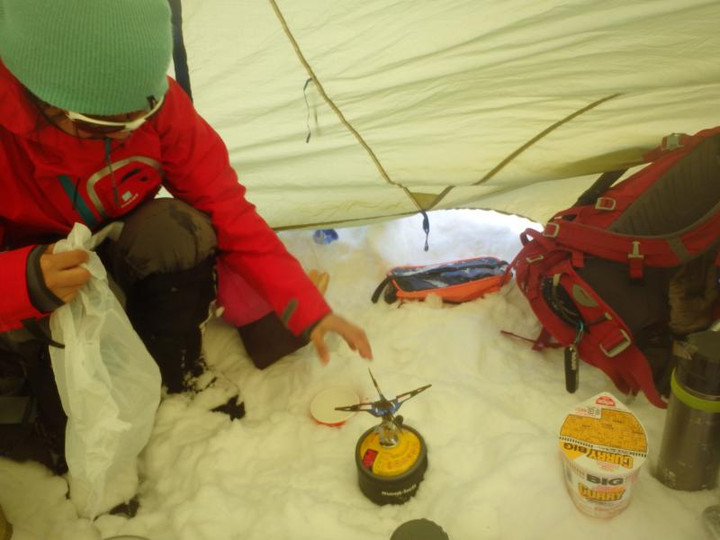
(118, 188)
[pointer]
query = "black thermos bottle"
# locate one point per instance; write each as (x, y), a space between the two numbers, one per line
(690, 449)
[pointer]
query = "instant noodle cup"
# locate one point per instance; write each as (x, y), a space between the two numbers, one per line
(603, 447)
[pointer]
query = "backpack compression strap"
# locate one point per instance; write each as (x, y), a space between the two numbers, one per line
(605, 341)
(636, 251)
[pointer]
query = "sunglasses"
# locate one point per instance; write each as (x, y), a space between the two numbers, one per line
(103, 127)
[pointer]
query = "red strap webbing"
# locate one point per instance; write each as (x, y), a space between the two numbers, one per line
(642, 251)
(605, 343)
(676, 141)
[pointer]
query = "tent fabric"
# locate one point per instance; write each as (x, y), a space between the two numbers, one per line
(513, 105)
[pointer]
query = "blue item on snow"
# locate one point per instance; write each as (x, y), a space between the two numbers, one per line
(325, 236)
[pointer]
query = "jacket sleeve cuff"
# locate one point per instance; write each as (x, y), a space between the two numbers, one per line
(305, 334)
(15, 303)
(42, 298)
(301, 322)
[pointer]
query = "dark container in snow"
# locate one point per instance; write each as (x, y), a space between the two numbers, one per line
(419, 529)
(397, 479)
(690, 451)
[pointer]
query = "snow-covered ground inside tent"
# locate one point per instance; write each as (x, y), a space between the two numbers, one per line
(490, 420)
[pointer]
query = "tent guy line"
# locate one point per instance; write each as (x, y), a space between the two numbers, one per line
(373, 156)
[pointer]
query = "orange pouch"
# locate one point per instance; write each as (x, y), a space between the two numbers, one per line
(454, 282)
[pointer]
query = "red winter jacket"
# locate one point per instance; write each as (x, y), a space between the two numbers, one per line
(50, 180)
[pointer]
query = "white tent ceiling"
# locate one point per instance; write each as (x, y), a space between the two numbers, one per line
(514, 105)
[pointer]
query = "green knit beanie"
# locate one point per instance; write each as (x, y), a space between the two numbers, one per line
(90, 56)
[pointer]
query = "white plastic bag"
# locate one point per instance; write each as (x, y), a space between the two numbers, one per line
(109, 386)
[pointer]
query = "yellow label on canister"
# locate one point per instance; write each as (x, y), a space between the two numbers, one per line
(390, 461)
(603, 446)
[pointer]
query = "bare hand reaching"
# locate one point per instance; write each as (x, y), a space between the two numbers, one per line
(353, 335)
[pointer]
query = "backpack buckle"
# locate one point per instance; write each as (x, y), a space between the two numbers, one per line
(551, 230)
(605, 203)
(635, 261)
(673, 142)
(620, 347)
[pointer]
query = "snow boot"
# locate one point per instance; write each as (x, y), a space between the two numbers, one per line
(168, 311)
(32, 423)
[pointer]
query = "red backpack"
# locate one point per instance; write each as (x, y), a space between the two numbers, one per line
(599, 275)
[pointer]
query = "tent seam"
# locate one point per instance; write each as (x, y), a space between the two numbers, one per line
(514, 154)
(335, 108)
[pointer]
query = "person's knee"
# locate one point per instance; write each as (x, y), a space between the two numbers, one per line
(162, 236)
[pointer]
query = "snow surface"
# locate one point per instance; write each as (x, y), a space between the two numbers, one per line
(490, 421)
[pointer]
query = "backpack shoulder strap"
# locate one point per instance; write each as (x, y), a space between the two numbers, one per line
(601, 185)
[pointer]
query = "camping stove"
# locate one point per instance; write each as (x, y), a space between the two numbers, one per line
(391, 457)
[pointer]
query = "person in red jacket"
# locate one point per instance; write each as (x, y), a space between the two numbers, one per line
(91, 128)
